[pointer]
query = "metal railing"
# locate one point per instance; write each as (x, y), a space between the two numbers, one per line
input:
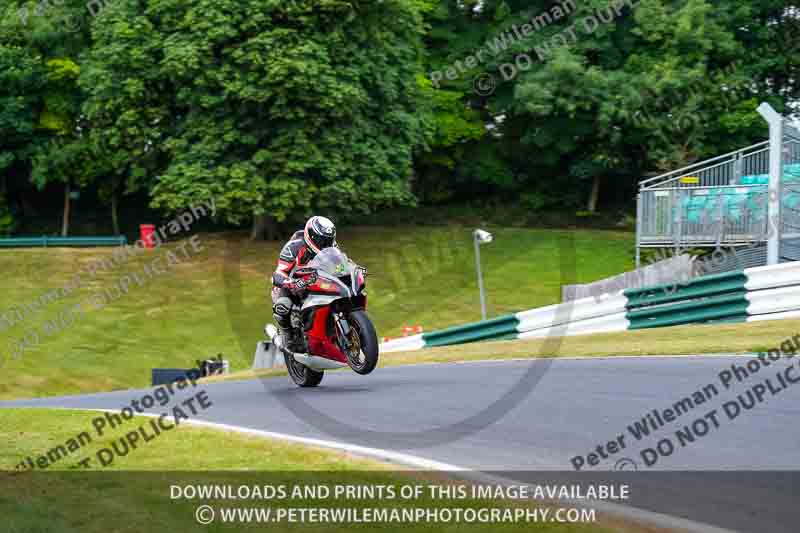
(719, 201)
(702, 216)
(790, 193)
(722, 170)
(47, 242)
(725, 200)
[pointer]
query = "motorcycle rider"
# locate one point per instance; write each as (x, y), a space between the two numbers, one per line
(319, 233)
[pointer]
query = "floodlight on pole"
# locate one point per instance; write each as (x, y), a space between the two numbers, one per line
(479, 237)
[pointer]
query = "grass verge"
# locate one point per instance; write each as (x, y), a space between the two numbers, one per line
(136, 492)
(36, 431)
(216, 300)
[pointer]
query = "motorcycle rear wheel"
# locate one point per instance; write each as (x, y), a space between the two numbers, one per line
(364, 357)
(301, 374)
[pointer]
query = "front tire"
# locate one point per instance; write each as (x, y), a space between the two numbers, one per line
(364, 357)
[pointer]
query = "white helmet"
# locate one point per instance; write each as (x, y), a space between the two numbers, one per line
(320, 233)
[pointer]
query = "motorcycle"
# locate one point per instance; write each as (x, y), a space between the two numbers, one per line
(336, 330)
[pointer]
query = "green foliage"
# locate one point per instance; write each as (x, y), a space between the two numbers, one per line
(284, 108)
(657, 87)
(40, 102)
(61, 103)
(533, 201)
(7, 222)
(22, 78)
(270, 107)
(453, 122)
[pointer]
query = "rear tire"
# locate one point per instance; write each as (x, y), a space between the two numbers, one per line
(301, 374)
(368, 339)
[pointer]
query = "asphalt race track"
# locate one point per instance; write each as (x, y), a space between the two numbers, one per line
(516, 418)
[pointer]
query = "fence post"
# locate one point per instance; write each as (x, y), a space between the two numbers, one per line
(775, 121)
(737, 170)
(679, 219)
(639, 222)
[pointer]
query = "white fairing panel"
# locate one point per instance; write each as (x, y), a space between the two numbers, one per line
(315, 300)
(317, 363)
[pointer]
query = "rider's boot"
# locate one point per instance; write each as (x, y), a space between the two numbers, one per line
(281, 312)
(296, 341)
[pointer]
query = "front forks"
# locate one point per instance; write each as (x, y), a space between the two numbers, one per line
(343, 331)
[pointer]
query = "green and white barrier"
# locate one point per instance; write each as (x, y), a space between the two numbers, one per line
(753, 294)
(404, 344)
(587, 315)
(497, 328)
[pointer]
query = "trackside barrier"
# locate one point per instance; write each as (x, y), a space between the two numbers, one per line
(403, 344)
(479, 331)
(729, 297)
(30, 242)
(727, 306)
(749, 295)
(602, 324)
(703, 287)
(496, 328)
(715, 297)
(577, 310)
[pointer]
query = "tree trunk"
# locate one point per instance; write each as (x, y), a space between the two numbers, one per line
(67, 203)
(272, 229)
(114, 214)
(259, 227)
(264, 227)
(595, 194)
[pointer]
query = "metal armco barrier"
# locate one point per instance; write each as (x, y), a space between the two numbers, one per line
(702, 287)
(479, 331)
(749, 295)
(715, 297)
(728, 306)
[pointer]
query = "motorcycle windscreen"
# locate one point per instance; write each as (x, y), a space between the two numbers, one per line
(332, 261)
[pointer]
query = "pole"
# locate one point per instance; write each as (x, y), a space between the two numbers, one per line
(480, 275)
(638, 230)
(774, 228)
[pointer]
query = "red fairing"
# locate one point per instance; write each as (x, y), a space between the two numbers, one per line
(318, 341)
(324, 286)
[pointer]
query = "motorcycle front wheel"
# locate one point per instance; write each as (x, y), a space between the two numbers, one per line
(363, 357)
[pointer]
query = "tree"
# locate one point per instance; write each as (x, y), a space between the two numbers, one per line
(608, 94)
(41, 142)
(458, 159)
(64, 157)
(270, 107)
(21, 80)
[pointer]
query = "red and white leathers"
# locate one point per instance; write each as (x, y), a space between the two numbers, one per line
(319, 233)
(295, 254)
